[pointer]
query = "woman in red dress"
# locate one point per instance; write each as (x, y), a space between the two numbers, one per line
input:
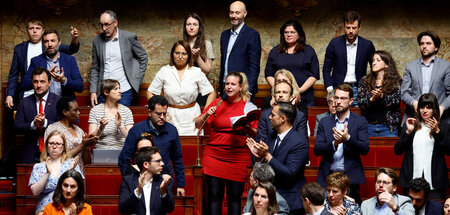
(226, 156)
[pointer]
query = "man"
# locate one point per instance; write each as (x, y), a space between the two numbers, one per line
(116, 55)
(146, 192)
(286, 152)
(283, 93)
(313, 196)
(419, 192)
(24, 52)
(428, 74)
(331, 111)
(263, 173)
(386, 200)
(341, 139)
(165, 137)
(347, 56)
(63, 68)
(240, 49)
(34, 114)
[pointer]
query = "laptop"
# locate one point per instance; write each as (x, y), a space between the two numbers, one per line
(106, 156)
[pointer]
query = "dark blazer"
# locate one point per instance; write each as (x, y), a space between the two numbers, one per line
(357, 145)
(289, 165)
(433, 207)
(265, 125)
(19, 66)
(130, 204)
(71, 71)
(26, 112)
(245, 56)
(441, 148)
(336, 60)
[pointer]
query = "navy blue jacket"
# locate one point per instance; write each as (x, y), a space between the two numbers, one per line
(245, 56)
(433, 207)
(336, 60)
(71, 71)
(166, 139)
(357, 145)
(19, 66)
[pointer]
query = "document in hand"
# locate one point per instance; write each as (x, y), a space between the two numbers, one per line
(251, 113)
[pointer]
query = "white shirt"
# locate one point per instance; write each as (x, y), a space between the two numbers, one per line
(423, 146)
(44, 101)
(113, 63)
(147, 191)
(33, 50)
(426, 75)
(350, 76)
(233, 36)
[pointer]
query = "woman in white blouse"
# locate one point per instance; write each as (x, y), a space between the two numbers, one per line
(423, 141)
(181, 83)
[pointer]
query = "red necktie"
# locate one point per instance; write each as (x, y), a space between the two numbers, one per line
(41, 133)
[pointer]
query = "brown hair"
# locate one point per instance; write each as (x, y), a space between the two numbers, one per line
(301, 42)
(108, 85)
(388, 171)
(186, 47)
(314, 192)
(64, 154)
(79, 199)
(391, 77)
(345, 88)
(244, 94)
(434, 37)
(36, 22)
(273, 207)
(351, 16)
(200, 40)
(339, 180)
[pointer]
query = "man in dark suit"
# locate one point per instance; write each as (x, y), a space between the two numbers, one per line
(63, 68)
(34, 114)
(428, 74)
(286, 152)
(146, 191)
(240, 49)
(341, 139)
(346, 57)
(313, 196)
(419, 192)
(24, 52)
(116, 55)
(283, 93)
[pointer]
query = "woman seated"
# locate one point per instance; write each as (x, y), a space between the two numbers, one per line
(424, 141)
(70, 196)
(54, 162)
(264, 200)
(110, 121)
(337, 202)
(182, 83)
(379, 96)
(283, 75)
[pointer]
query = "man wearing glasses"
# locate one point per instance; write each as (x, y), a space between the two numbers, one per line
(165, 137)
(331, 110)
(116, 55)
(386, 200)
(341, 139)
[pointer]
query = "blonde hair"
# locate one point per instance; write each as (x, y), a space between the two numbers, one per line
(244, 94)
(44, 153)
(289, 75)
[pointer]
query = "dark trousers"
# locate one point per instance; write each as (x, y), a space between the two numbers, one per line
(353, 192)
(216, 190)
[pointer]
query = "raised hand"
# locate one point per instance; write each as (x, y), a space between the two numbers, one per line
(410, 125)
(47, 165)
(118, 119)
(166, 180)
(433, 124)
(74, 163)
(388, 199)
(89, 140)
(73, 209)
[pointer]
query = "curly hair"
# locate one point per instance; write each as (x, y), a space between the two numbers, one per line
(391, 77)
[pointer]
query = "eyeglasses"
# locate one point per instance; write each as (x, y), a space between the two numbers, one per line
(106, 24)
(55, 144)
(158, 161)
(340, 98)
(385, 183)
(181, 54)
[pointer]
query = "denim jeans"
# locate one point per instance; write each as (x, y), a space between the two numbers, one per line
(381, 130)
(355, 93)
(126, 100)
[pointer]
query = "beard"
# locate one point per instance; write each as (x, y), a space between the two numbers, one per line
(51, 54)
(426, 55)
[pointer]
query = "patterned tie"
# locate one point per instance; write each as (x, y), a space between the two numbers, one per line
(277, 143)
(41, 133)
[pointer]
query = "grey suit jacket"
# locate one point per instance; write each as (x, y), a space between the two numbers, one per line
(368, 206)
(412, 84)
(318, 118)
(134, 60)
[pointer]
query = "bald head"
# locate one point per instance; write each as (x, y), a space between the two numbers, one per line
(239, 4)
(237, 14)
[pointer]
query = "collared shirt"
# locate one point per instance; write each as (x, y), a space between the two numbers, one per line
(55, 87)
(113, 63)
(350, 76)
(282, 135)
(338, 156)
(385, 209)
(233, 36)
(33, 50)
(422, 211)
(426, 75)
(147, 191)
(319, 211)
(44, 101)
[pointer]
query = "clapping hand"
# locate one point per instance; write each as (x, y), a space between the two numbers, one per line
(74, 163)
(340, 136)
(58, 77)
(118, 119)
(410, 125)
(166, 180)
(376, 94)
(195, 52)
(39, 120)
(89, 140)
(47, 165)
(73, 209)
(433, 124)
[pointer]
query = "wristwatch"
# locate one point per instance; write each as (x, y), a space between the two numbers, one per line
(396, 209)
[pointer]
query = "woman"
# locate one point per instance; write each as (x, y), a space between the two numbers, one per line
(77, 143)
(45, 175)
(379, 96)
(446, 206)
(110, 121)
(264, 200)
(296, 56)
(424, 143)
(283, 75)
(336, 201)
(70, 197)
(225, 156)
(181, 83)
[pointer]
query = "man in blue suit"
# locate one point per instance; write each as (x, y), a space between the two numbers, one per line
(24, 52)
(341, 139)
(346, 57)
(31, 120)
(286, 152)
(240, 49)
(146, 192)
(419, 192)
(63, 68)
